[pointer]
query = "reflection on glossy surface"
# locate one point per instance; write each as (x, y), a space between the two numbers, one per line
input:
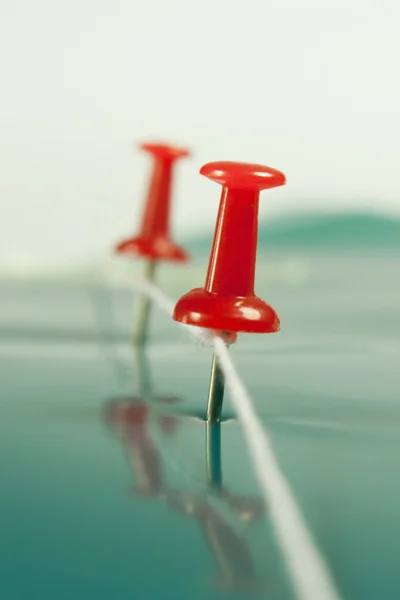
(133, 420)
(230, 550)
(129, 417)
(130, 421)
(213, 454)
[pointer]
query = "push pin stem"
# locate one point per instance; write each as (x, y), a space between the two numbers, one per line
(142, 368)
(144, 308)
(227, 302)
(216, 391)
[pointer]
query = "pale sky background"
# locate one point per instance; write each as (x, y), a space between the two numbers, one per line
(309, 87)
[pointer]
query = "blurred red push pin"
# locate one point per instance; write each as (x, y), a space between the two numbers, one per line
(227, 303)
(154, 243)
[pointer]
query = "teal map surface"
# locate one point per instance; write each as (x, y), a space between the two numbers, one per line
(105, 487)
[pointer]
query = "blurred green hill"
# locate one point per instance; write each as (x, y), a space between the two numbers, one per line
(330, 231)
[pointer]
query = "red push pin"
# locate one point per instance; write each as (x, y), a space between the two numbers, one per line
(227, 302)
(154, 242)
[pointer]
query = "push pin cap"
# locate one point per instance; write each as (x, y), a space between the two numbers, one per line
(243, 176)
(154, 241)
(227, 301)
(164, 151)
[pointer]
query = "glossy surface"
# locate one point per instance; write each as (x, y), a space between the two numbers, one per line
(227, 301)
(154, 239)
(326, 390)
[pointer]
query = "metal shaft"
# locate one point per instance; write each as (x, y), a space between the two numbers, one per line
(216, 391)
(213, 454)
(145, 388)
(143, 315)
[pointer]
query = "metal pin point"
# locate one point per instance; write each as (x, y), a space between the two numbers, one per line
(144, 308)
(216, 391)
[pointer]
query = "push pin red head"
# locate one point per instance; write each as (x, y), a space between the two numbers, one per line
(227, 301)
(153, 241)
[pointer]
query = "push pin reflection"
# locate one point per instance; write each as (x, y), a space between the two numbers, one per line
(146, 396)
(154, 243)
(130, 418)
(247, 509)
(227, 302)
(131, 422)
(213, 455)
(230, 550)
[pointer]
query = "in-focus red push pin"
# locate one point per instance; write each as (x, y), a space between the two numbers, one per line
(153, 242)
(227, 303)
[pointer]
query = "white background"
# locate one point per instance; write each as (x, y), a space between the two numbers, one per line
(311, 88)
